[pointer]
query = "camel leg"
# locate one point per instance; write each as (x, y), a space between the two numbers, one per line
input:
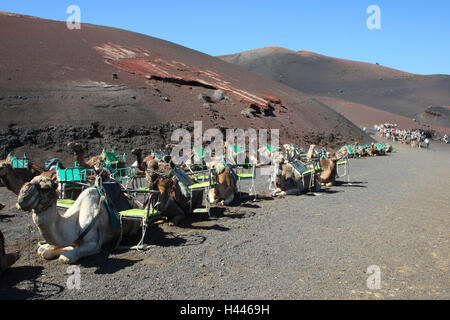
(176, 213)
(72, 256)
(90, 245)
(211, 196)
(277, 192)
(294, 192)
(49, 252)
(229, 199)
(178, 217)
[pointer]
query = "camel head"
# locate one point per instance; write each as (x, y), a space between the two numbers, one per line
(333, 157)
(38, 194)
(76, 147)
(78, 151)
(137, 152)
(155, 170)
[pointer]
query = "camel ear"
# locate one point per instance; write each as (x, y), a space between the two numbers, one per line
(8, 158)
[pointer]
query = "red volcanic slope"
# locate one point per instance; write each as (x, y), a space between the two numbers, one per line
(52, 75)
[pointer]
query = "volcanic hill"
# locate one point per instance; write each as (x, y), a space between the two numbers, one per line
(118, 89)
(366, 93)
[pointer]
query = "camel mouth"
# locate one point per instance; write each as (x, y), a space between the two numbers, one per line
(28, 198)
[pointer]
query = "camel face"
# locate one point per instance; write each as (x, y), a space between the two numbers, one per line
(75, 146)
(137, 152)
(38, 194)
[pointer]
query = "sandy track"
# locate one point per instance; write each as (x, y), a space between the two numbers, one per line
(393, 215)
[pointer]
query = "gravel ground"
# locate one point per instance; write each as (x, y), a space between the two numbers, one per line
(394, 214)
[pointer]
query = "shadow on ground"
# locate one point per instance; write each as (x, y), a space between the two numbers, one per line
(20, 283)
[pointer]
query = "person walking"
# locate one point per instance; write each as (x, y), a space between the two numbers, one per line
(427, 142)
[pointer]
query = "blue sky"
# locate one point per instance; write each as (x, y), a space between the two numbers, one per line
(414, 35)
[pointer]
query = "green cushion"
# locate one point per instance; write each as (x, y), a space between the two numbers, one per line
(245, 176)
(311, 166)
(343, 162)
(139, 213)
(199, 185)
(65, 203)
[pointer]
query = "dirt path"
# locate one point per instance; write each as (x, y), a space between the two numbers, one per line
(394, 214)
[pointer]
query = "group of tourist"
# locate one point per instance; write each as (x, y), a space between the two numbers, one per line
(415, 138)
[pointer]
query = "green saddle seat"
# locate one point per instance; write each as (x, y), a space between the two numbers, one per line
(139, 213)
(65, 203)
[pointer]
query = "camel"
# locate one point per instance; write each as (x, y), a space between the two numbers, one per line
(94, 163)
(289, 181)
(225, 189)
(13, 179)
(329, 172)
(290, 152)
(6, 259)
(311, 152)
(158, 176)
(141, 162)
(342, 153)
(78, 154)
(80, 232)
(373, 150)
(363, 151)
(173, 203)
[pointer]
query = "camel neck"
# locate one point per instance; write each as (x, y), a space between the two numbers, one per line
(12, 182)
(50, 225)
